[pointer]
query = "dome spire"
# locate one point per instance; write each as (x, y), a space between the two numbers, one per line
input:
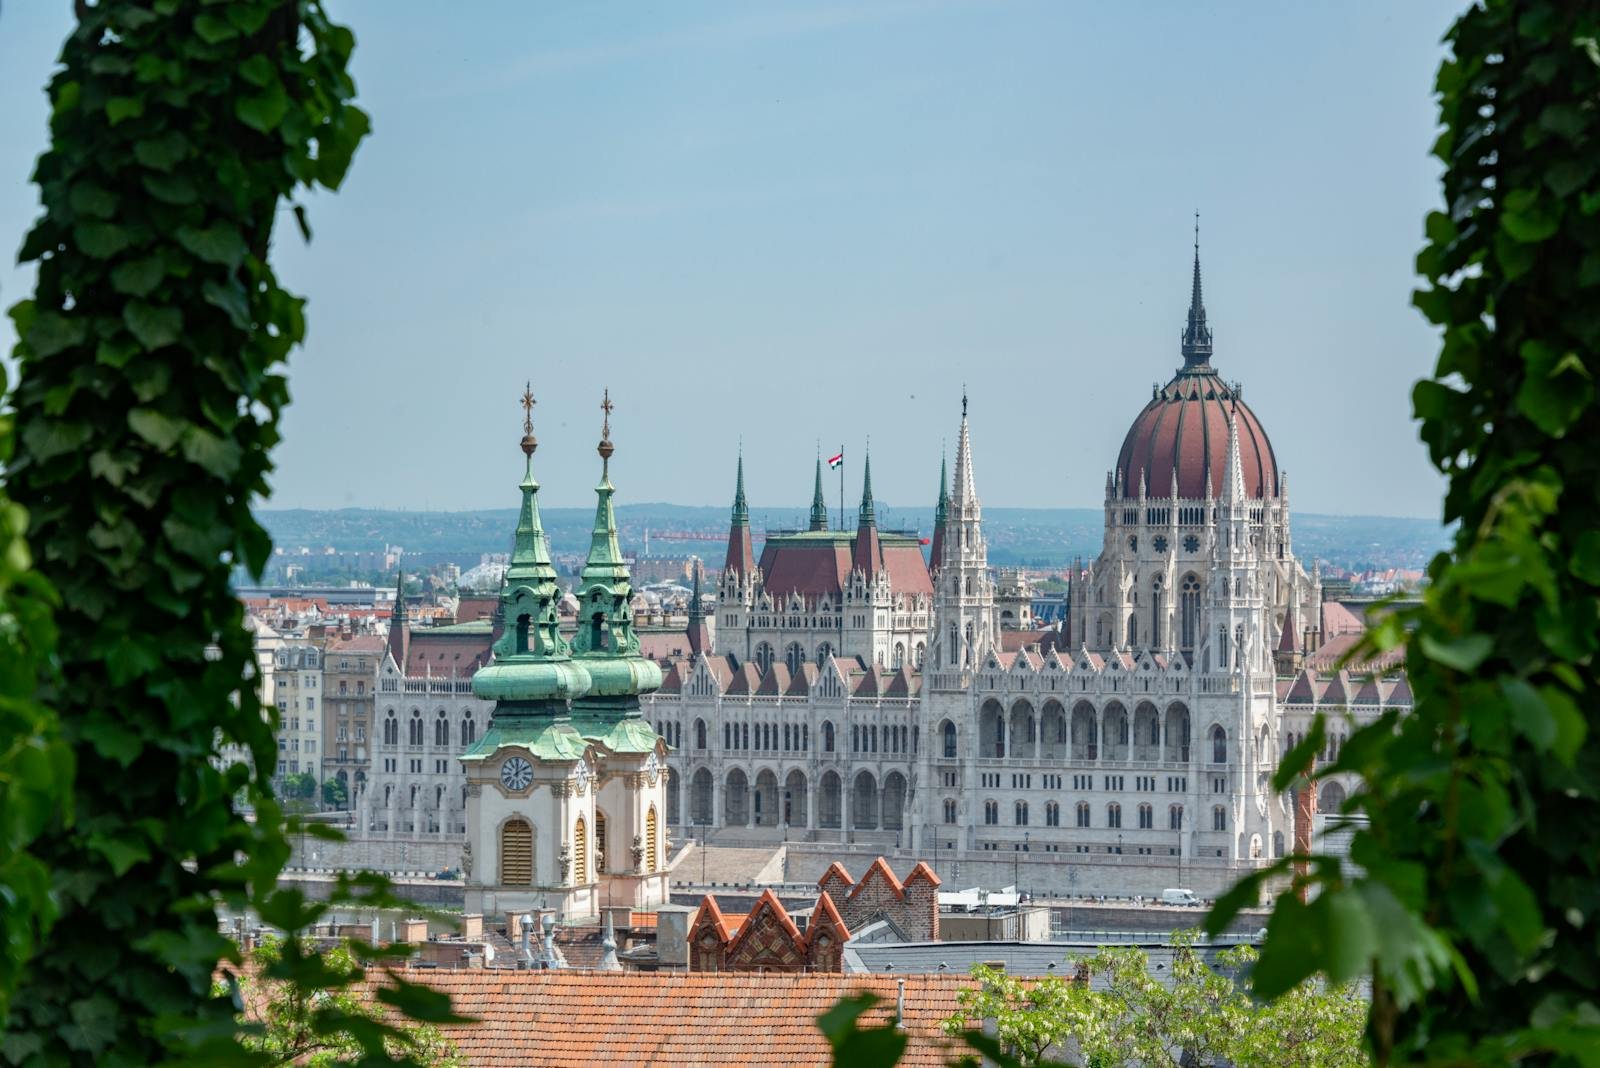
(1196, 335)
(819, 507)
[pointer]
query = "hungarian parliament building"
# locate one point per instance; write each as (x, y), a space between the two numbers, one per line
(842, 687)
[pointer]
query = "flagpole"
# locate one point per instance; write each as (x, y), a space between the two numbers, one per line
(841, 486)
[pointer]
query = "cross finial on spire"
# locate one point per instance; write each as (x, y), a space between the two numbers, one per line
(529, 442)
(605, 448)
(963, 400)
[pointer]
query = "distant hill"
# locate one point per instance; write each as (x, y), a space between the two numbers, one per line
(1042, 537)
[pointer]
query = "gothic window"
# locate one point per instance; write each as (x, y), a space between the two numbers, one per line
(1238, 642)
(1191, 544)
(414, 728)
(763, 657)
(1147, 817)
(794, 656)
(1160, 543)
(699, 734)
(441, 731)
(1022, 814)
(1189, 605)
(1133, 630)
(824, 651)
(1155, 606)
(949, 810)
(1114, 815)
(516, 853)
(1175, 818)
(1083, 813)
(1052, 814)
(522, 633)
(391, 730)
(921, 655)
(1219, 818)
(1133, 543)
(469, 731)
(949, 731)
(1222, 648)
(827, 736)
(1219, 745)
(899, 654)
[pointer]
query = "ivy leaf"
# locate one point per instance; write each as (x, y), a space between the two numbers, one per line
(170, 188)
(138, 277)
(220, 243)
(1556, 388)
(162, 431)
(257, 70)
(119, 108)
(154, 327)
(213, 30)
(265, 110)
(1585, 561)
(231, 299)
(1462, 654)
(217, 455)
(52, 332)
(163, 152)
(47, 439)
(1299, 760)
(1528, 218)
(87, 198)
(121, 853)
(100, 240)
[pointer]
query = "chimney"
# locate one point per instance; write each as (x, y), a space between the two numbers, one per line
(472, 926)
(617, 917)
(672, 935)
(413, 931)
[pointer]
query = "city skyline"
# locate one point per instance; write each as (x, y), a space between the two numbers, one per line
(793, 224)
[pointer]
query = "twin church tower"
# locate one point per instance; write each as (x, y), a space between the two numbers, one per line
(566, 791)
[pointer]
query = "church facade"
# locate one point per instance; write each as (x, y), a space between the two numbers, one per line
(858, 694)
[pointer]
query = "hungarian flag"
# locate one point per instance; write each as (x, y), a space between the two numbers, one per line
(836, 462)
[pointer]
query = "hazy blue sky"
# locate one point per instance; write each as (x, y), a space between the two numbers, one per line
(797, 221)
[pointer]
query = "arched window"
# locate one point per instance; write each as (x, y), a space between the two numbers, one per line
(516, 853)
(827, 736)
(1114, 815)
(1219, 818)
(391, 730)
(991, 812)
(794, 656)
(699, 734)
(1189, 606)
(441, 731)
(824, 651)
(469, 731)
(1083, 813)
(921, 655)
(414, 730)
(1147, 817)
(1219, 745)
(652, 840)
(580, 853)
(899, 654)
(1133, 631)
(764, 657)
(1052, 814)
(1155, 613)
(522, 632)
(1022, 814)
(949, 810)
(949, 740)
(1175, 818)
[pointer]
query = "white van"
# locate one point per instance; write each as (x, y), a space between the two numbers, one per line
(1179, 897)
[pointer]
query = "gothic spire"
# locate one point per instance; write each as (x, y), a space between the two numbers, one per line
(397, 622)
(819, 507)
(1233, 473)
(869, 516)
(741, 558)
(941, 511)
(966, 493)
(1196, 335)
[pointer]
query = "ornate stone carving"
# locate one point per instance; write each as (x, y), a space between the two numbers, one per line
(561, 789)
(565, 860)
(637, 849)
(466, 860)
(474, 789)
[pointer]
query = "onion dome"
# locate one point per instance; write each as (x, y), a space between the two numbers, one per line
(1179, 442)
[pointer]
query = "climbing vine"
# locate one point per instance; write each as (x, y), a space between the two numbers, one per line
(147, 404)
(1475, 905)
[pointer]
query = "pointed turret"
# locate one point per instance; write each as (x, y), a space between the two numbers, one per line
(399, 636)
(868, 552)
(1196, 334)
(741, 559)
(605, 641)
(819, 508)
(698, 633)
(941, 517)
(966, 492)
(1233, 473)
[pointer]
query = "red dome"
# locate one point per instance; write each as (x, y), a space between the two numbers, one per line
(1184, 428)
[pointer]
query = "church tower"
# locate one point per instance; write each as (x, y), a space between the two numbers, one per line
(630, 774)
(965, 622)
(530, 802)
(737, 588)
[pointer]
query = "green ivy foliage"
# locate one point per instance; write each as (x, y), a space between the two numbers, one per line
(1476, 906)
(147, 404)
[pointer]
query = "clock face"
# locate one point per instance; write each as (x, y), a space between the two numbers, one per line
(516, 773)
(583, 775)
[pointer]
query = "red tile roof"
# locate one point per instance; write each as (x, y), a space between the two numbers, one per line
(1184, 429)
(567, 1019)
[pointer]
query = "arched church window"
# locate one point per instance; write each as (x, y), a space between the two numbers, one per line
(827, 736)
(516, 853)
(899, 654)
(391, 730)
(441, 731)
(1133, 630)
(469, 731)
(522, 633)
(794, 656)
(699, 734)
(949, 740)
(764, 657)
(1155, 607)
(414, 728)
(1219, 745)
